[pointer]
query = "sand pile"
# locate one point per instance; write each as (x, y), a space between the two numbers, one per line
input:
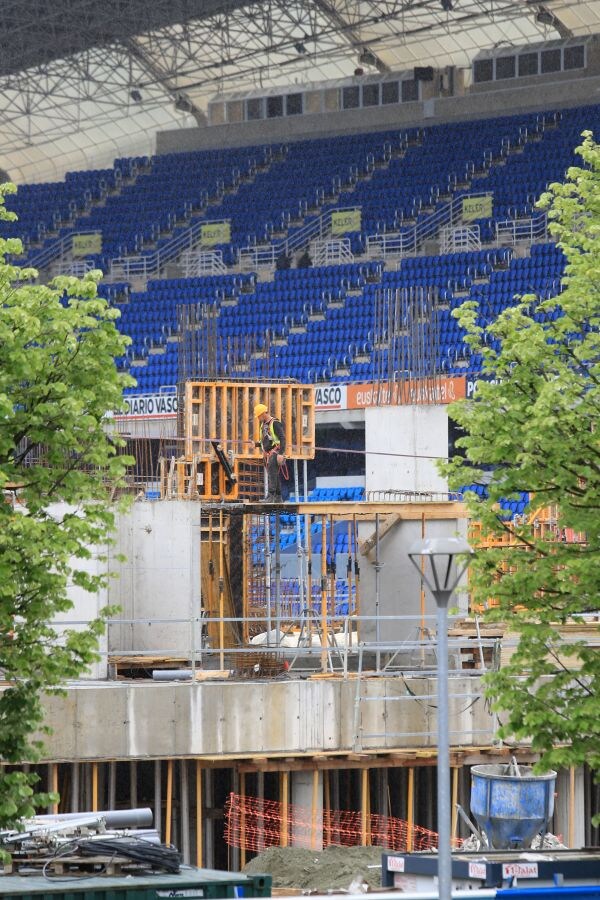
(331, 869)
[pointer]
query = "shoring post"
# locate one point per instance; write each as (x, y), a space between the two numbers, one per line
(323, 593)
(268, 567)
(410, 810)
(364, 808)
(243, 819)
(314, 809)
(307, 540)
(199, 834)
(299, 552)
(94, 787)
(185, 811)
(157, 794)
(169, 802)
(454, 809)
(211, 573)
(221, 595)
(326, 807)
(356, 574)
(246, 575)
(332, 573)
(277, 582)
(284, 782)
(53, 786)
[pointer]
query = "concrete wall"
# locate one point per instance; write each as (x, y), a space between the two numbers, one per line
(159, 578)
(414, 437)
(392, 587)
(137, 720)
(86, 606)
(567, 90)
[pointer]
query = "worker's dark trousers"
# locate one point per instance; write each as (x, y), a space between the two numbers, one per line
(273, 482)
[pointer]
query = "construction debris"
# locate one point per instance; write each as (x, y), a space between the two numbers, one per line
(92, 843)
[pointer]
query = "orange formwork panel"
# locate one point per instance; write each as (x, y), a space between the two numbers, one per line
(222, 412)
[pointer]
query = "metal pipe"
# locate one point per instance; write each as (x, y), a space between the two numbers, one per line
(158, 795)
(133, 783)
(199, 836)
(185, 813)
(221, 592)
(277, 582)
(324, 638)
(74, 787)
(472, 828)
(410, 809)
(172, 674)
(267, 534)
(443, 768)
(299, 551)
(169, 801)
(112, 784)
(120, 818)
(94, 786)
(377, 594)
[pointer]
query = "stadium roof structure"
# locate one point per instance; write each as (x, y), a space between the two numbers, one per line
(85, 81)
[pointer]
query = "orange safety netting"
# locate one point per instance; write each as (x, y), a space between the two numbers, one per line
(256, 824)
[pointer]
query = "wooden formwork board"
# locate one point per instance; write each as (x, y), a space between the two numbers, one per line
(207, 480)
(223, 412)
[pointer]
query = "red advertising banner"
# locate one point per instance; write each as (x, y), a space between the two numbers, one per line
(430, 391)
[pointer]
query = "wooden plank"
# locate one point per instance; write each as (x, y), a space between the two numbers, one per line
(211, 674)
(389, 522)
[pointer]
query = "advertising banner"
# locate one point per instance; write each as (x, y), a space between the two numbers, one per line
(346, 220)
(86, 244)
(213, 233)
(148, 406)
(330, 396)
(432, 391)
(477, 208)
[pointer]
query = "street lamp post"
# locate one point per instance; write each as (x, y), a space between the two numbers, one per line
(448, 559)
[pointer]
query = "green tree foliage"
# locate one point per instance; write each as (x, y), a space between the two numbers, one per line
(533, 426)
(58, 381)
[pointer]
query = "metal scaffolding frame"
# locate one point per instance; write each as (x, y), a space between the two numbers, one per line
(74, 65)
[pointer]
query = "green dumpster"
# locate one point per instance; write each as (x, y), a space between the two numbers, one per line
(189, 884)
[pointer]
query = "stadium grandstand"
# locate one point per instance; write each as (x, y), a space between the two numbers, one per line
(288, 201)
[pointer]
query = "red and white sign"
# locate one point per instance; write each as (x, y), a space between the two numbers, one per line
(477, 870)
(520, 870)
(395, 864)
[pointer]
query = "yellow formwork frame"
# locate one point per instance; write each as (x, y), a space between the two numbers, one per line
(223, 412)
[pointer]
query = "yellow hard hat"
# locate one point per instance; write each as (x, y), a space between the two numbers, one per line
(259, 409)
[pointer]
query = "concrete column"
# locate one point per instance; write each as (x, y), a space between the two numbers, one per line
(307, 795)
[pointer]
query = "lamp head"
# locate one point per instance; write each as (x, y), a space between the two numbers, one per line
(446, 560)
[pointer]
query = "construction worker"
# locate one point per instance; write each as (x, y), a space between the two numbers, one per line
(272, 441)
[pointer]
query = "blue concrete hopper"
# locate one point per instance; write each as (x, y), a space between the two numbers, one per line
(511, 804)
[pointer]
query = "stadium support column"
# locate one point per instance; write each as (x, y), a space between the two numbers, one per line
(307, 795)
